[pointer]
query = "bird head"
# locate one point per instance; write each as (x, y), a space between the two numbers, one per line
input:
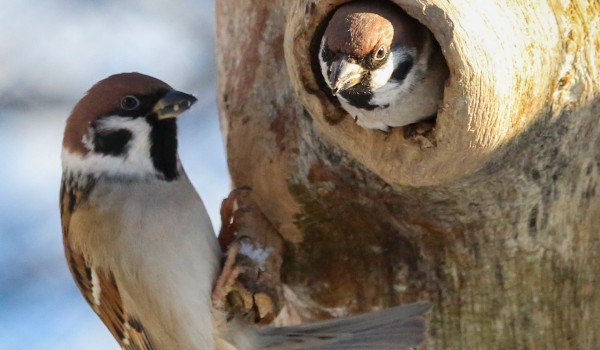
(367, 43)
(125, 126)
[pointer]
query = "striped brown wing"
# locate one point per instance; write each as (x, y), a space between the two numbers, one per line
(98, 286)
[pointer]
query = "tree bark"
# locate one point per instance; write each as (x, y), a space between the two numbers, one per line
(494, 218)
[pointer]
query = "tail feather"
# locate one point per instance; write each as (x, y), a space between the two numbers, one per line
(402, 327)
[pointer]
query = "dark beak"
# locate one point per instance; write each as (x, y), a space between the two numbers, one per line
(173, 104)
(344, 75)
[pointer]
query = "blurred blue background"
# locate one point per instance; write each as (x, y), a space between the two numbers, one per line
(51, 52)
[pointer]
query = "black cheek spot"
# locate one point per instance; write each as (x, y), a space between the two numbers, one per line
(402, 70)
(112, 142)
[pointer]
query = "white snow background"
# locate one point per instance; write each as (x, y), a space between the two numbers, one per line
(51, 52)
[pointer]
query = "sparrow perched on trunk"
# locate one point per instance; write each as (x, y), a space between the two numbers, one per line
(385, 68)
(140, 245)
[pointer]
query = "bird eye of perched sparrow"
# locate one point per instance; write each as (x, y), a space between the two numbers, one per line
(384, 67)
(140, 245)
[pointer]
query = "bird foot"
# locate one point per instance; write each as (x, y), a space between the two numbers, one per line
(248, 286)
(227, 278)
(243, 288)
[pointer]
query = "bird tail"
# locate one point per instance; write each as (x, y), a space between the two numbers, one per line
(401, 327)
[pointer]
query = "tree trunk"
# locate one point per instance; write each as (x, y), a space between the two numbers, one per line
(494, 217)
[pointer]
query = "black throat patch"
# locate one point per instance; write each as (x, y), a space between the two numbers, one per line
(359, 96)
(163, 149)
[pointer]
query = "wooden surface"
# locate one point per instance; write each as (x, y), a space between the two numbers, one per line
(498, 224)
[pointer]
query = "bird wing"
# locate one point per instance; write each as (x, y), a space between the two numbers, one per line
(98, 286)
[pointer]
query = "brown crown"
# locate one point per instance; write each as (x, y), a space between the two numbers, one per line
(361, 27)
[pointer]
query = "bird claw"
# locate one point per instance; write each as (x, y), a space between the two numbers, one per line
(226, 279)
(248, 286)
(243, 288)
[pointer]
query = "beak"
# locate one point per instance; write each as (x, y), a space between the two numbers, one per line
(173, 104)
(344, 75)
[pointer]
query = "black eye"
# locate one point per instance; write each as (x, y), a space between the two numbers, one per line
(130, 103)
(380, 54)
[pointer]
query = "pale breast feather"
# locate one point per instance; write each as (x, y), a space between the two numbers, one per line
(99, 287)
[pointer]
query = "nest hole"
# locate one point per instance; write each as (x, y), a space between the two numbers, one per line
(421, 133)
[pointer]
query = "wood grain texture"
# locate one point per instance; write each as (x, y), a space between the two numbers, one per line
(498, 224)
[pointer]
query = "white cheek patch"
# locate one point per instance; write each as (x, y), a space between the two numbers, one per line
(388, 91)
(136, 162)
(381, 76)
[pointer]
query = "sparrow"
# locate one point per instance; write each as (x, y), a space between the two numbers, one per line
(384, 67)
(140, 245)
